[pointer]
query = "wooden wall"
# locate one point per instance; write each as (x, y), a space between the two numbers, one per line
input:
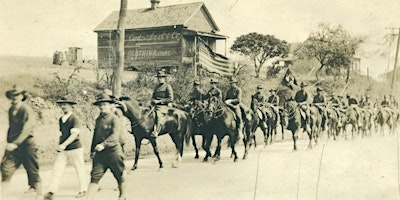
(150, 47)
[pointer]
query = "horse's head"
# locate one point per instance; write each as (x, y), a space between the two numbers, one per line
(214, 106)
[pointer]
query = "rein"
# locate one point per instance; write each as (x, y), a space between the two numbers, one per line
(137, 122)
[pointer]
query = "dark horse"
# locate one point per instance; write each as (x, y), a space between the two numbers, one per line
(221, 122)
(177, 125)
(295, 123)
(197, 113)
(260, 122)
(272, 123)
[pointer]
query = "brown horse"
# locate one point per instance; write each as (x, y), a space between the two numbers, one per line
(177, 125)
(220, 122)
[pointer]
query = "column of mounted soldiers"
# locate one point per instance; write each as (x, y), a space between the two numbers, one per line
(106, 148)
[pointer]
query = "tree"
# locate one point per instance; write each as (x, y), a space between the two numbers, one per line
(117, 80)
(332, 46)
(259, 48)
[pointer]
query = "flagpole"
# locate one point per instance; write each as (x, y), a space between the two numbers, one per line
(195, 55)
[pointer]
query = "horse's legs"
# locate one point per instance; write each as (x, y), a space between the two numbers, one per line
(234, 153)
(206, 146)
(178, 141)
(217, 153)
(154, 144)
(294, 136)
(310, 137)
(195, 147)
(138, 142)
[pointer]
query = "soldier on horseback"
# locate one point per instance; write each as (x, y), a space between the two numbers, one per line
(301, 98)
(257, 103)
(257, 99)
(214, 91)
(196, 94)
(274, 103)
(233, 100)
(366, 102)
(385, 102)
(319, 102)
(353, 104)
(162, 98)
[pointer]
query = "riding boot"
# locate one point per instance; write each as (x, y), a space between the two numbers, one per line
(240, 131)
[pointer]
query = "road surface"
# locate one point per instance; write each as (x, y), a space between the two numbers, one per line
(349, 169)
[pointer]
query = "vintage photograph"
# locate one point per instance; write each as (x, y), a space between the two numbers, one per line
(199, 100)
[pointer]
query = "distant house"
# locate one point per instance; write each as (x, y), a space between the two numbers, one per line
(158, 36)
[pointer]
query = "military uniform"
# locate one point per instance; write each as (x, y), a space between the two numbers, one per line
(162, 95)
(162, 98)
(274, 101)
(319, 102)
(213, 92)
(196, 95)
(301, 96)
(257, 100)
(232, 99)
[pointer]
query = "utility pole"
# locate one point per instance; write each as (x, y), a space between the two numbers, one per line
(395, 61)
(117, 84)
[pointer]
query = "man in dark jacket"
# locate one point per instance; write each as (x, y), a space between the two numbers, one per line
(162, 99)
(20, 146)
(106, 149)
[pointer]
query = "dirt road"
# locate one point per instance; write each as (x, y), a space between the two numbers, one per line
(350, 169)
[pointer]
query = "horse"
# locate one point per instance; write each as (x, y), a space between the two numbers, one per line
(197, 113)
(294, 121)
(352, 119)
(250, 124)
(221, 121)
(384, 117)
(177, 125)
(367, 120)
(315, 123)
(261, 122)
(272, 124)
(333, 122)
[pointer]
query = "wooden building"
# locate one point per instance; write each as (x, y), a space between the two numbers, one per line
(158, 36)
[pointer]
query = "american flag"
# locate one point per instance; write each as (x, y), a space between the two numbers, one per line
(214, 62)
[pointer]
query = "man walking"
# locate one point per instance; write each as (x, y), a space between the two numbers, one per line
(106, 149)
(69, 148)
(20, 146)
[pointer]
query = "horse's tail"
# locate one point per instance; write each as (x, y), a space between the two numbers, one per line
(188, 133)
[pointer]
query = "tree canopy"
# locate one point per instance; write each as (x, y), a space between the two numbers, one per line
(259, 48)
(332, 46)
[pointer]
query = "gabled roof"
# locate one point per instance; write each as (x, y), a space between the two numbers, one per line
(160, 17)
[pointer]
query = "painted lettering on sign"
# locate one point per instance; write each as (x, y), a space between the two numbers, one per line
(154, 36)
(144, 54)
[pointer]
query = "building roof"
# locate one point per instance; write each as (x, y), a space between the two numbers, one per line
(160, 17)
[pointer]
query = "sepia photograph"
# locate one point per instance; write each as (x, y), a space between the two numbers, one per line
(199, 100)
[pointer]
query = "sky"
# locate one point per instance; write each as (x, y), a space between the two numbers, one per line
(38, 28)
